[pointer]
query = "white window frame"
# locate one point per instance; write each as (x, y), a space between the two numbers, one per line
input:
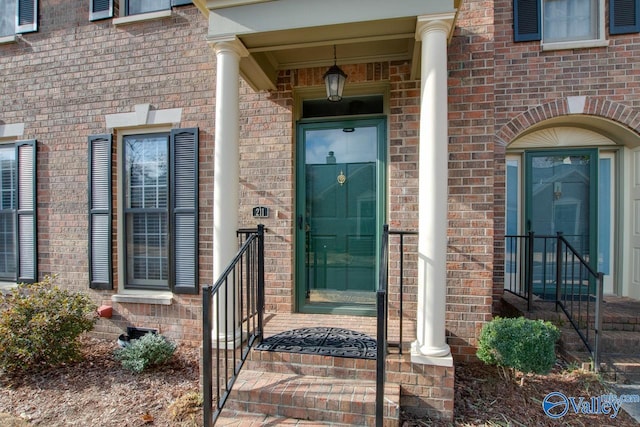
(123, 208)
(30, 26)
(598, 41)
(127, 294)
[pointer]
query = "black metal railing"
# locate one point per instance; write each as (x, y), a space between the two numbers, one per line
(236, 303)
(382, 302)
(549, 268)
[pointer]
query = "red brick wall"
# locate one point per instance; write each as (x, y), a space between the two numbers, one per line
(532, 86)
(471, 177)
(61, 82)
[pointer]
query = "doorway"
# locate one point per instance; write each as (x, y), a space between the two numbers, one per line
(561, 197)
(339, 214)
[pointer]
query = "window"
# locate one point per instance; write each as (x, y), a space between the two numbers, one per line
(101, 9)
(572, 23)
(146, 195)
(159, 198)
(18, 16)
(17, 212)
(570, 20)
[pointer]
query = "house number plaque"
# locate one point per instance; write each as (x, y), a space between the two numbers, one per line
(260, 212)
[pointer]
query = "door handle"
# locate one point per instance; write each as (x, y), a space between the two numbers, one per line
(299, 222)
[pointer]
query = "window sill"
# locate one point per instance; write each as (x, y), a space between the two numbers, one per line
(7, 39)
(142, 17)
(144, 297)
(575, 45)
(7, 287)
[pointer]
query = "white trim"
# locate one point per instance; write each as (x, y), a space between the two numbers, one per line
(220, 4)
(123, 294)
(7, 287)
(576, 104)
(562, 136)
(600, 41)
(13, 130)
(610, 279)
(124, 20)
(574, 45)
(144, 116)
(8, 39)
(143, 297)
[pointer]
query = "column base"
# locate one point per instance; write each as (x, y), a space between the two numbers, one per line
(228, 342)
(436, 356)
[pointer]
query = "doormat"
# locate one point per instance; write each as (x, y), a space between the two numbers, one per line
(322, 341)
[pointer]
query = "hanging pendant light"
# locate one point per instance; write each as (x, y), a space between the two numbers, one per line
(334, 80)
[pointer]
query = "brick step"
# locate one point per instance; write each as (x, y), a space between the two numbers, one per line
(619, 314)
(614, 342)
(243, 419)
(311, 364)
(312, 398)
(621, 368)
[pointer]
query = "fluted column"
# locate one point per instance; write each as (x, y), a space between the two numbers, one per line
(431, 346)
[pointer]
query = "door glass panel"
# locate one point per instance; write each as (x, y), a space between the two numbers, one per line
(340, 214)
(606, 218)
(559, 200)
(512, 226)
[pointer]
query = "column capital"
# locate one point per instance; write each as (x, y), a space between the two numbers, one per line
(442, 22)
(233, 45)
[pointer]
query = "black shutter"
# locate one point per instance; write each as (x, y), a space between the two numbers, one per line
(100, 271)
(624, 16)
(26, 213)
(100, 9)
(184, 210)
(27, 16)
(526, 20)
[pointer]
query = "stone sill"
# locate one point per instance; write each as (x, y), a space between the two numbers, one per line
(7, 39)
(142, 17)
(575, 45)
(144, 297)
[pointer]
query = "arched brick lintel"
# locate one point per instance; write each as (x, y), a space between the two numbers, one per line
(621, 114)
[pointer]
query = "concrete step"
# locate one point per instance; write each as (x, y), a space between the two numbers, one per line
(312, 398)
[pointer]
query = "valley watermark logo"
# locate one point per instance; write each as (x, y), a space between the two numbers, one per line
(557, 405)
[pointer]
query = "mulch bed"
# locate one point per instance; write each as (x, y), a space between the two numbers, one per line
(98, 391)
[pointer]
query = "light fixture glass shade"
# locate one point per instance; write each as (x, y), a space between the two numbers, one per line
(334, 80)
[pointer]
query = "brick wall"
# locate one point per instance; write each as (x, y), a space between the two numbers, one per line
(532, 86)
(471, 177)
(61, 82)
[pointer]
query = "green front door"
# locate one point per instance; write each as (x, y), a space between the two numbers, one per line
(561, 198)
(339, 215)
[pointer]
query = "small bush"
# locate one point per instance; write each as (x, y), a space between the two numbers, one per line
(519, 343)
(148, 350)
(187, 407)
(40, 325)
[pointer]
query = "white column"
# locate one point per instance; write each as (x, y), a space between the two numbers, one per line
(430, 346)
(226, 169)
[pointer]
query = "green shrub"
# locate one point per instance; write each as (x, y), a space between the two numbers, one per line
(40, 325)
(519, 343)
(146, 351)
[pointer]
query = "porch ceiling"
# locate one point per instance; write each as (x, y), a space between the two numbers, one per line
(291, 34)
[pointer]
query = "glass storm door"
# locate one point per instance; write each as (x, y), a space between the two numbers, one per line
(561, 197)
(339, 215)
